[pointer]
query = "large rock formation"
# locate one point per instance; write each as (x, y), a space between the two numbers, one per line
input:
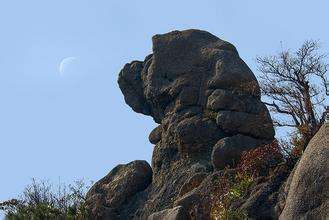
(308, 191)
(207, 104)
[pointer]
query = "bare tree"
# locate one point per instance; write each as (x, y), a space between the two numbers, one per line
(294, 85)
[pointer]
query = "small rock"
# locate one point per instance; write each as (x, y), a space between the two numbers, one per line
(192, 183)
(155, 135)
(176, 213)
(227, 151)
(115, 189)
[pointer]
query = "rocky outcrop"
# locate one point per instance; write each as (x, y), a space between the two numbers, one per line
(108, 195)
(207, 104)
(308, 191)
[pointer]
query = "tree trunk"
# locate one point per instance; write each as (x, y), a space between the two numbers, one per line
(311, 124)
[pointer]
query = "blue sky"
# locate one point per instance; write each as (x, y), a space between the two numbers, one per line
(77, 125)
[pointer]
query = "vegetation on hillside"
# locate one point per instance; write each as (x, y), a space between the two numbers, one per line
(41, 200)
(253, 164)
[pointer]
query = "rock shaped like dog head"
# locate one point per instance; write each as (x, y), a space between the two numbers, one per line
(207, 104)
(198, 89)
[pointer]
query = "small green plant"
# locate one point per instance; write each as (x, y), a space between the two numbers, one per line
(238, 189)
(254, 163)
(41, 200)
(235, 190)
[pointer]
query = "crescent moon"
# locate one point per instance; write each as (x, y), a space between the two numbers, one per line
(64, 63)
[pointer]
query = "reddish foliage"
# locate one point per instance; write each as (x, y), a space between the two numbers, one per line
(296, 152)
(260, 160)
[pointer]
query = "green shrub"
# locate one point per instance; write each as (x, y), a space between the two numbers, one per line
(41, 201)
(254, 163)
(236, 189)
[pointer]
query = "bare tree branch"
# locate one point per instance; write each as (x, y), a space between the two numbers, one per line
(296, 83)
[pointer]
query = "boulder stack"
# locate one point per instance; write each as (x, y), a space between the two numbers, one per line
(207, 103)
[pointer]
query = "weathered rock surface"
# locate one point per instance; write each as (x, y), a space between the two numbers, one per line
(263, 198)
(227, 151)
(176, 213)
(111, 192)
(200, 201)
(245, 123)
(201, 93)
(308, 195)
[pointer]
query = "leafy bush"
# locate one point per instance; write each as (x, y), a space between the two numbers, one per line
(237, 191)
(234, 189)
(259, 161)
(254, 163)
(41, 200)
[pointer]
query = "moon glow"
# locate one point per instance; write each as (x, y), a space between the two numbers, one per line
(65, 63)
